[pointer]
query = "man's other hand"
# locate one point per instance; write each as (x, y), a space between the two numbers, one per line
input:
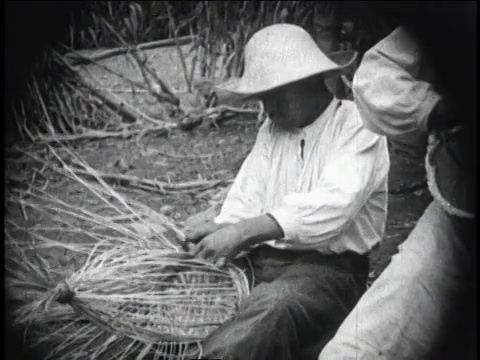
(221, 247)
(195, 234)
(228, 241)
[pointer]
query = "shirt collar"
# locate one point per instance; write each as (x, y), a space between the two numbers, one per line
(320, 121)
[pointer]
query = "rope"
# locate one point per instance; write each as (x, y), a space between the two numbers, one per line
(64, 294)
(61, 293)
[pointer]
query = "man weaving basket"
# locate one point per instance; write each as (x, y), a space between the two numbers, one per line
(308, 204)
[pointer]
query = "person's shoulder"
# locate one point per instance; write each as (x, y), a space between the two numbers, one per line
(268, 130)
(265, 128)
(349, 111)
(265, 133)
(352, 121)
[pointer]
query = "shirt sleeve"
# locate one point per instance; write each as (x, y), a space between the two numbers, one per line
(245, 198)
(390, 98)
(352, 172)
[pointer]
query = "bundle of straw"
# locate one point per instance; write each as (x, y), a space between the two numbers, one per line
(138, 294)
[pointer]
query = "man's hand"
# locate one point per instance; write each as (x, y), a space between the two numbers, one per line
(221, 246)
(195, 234)
(224, 244)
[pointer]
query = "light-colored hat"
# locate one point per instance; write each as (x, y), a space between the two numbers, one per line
(281, 54)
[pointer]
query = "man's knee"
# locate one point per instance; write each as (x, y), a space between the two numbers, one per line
(349, 348)
(270, 296)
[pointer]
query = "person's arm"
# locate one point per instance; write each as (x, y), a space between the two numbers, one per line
(392, 101)
(226, 243)
(245, 198)
(354, 170)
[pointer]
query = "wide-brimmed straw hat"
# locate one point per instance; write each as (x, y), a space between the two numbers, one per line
(281, 54)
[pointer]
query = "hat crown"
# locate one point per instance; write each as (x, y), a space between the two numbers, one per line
(278, 55)
(281, 43)
(283, 53)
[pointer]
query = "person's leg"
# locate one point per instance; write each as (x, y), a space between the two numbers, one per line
(291, 317)
(407, 308)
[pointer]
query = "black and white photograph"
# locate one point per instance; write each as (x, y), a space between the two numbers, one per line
(240, 180)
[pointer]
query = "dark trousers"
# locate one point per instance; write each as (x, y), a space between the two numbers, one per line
(298, 301)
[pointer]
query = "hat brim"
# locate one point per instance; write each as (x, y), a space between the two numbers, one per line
(346, 61)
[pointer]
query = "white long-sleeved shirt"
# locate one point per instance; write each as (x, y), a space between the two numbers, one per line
(394, 94)
(391, 87)
(325, 184)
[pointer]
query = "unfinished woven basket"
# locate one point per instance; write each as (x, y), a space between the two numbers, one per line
(151, 295)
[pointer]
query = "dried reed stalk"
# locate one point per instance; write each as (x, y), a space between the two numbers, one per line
(128, 278)
(76, 58)
(119, 291)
